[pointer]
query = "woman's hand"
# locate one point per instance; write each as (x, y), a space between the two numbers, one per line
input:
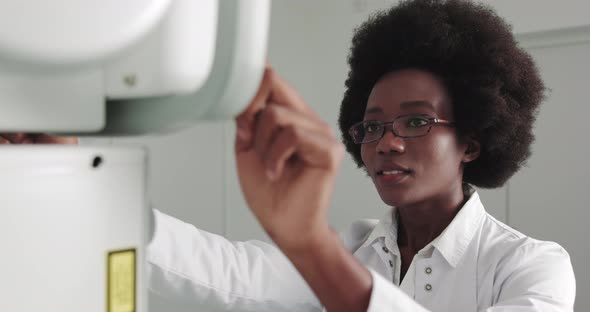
(35, 138)
(287, 160)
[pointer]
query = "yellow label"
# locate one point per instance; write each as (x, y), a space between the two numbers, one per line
(121, 281)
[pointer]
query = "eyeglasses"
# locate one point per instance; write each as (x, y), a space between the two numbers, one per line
(406, 126)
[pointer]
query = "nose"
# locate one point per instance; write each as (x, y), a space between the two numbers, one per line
(390, 143)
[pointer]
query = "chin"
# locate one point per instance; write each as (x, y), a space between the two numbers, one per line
(397, 198)
(397, 195)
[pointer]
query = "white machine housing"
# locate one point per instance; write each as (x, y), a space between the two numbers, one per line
(127, 67)
(64, 209)
(76, 219)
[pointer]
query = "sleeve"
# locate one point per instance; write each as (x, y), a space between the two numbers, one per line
(385, 296)
(199, 268)
(536, 277)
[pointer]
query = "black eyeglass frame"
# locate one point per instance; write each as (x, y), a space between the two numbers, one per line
(432, 121)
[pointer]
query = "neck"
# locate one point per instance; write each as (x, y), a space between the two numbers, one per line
(420, 223)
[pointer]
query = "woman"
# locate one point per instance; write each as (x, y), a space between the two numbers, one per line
(439, 97)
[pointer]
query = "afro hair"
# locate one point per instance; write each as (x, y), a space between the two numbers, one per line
(494, 84)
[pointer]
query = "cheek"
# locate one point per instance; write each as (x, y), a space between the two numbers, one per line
(446, 154)
(366, 154)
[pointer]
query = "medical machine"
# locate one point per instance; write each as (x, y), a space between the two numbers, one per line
(76, 219)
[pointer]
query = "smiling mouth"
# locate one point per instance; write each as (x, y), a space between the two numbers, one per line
(392, 177)
(392, 172)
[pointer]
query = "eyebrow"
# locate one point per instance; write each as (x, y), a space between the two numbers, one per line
(403, 105)
(406, 105)
(373, 110)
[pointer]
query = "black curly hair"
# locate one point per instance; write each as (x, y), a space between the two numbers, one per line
(494, 85)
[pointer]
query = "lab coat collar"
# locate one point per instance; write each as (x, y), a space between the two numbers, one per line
(455, 239)
(451, 243)
(385, 229)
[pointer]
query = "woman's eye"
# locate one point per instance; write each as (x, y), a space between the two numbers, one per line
(417, 122)
(372, 127)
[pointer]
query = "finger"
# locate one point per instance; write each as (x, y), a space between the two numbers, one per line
(262, 95)
(15, 138)
(283, 94)
(50, 139)
(313, 148)
(275, 117)
(3, 140)
(246, 119)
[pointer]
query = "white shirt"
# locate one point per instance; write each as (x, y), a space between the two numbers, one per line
(476, 264)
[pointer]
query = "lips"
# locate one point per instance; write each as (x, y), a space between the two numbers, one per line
(392, 173)
(392, 169)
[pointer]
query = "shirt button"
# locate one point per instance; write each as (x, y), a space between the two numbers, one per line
(391, 263)
(428, 270)
(428, 287)
(385, 249)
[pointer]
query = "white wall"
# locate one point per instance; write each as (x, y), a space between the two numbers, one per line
(193, 173)
(524, 15)
(539, 15)
(548, 198)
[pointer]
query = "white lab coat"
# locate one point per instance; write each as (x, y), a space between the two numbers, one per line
(476, 264)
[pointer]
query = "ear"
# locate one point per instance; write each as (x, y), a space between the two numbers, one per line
(473, 150)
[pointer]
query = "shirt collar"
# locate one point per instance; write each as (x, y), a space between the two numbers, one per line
(455, 239)
(385, 229)
(451, 243)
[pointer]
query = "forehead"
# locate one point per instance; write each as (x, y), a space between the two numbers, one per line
(406, 91)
